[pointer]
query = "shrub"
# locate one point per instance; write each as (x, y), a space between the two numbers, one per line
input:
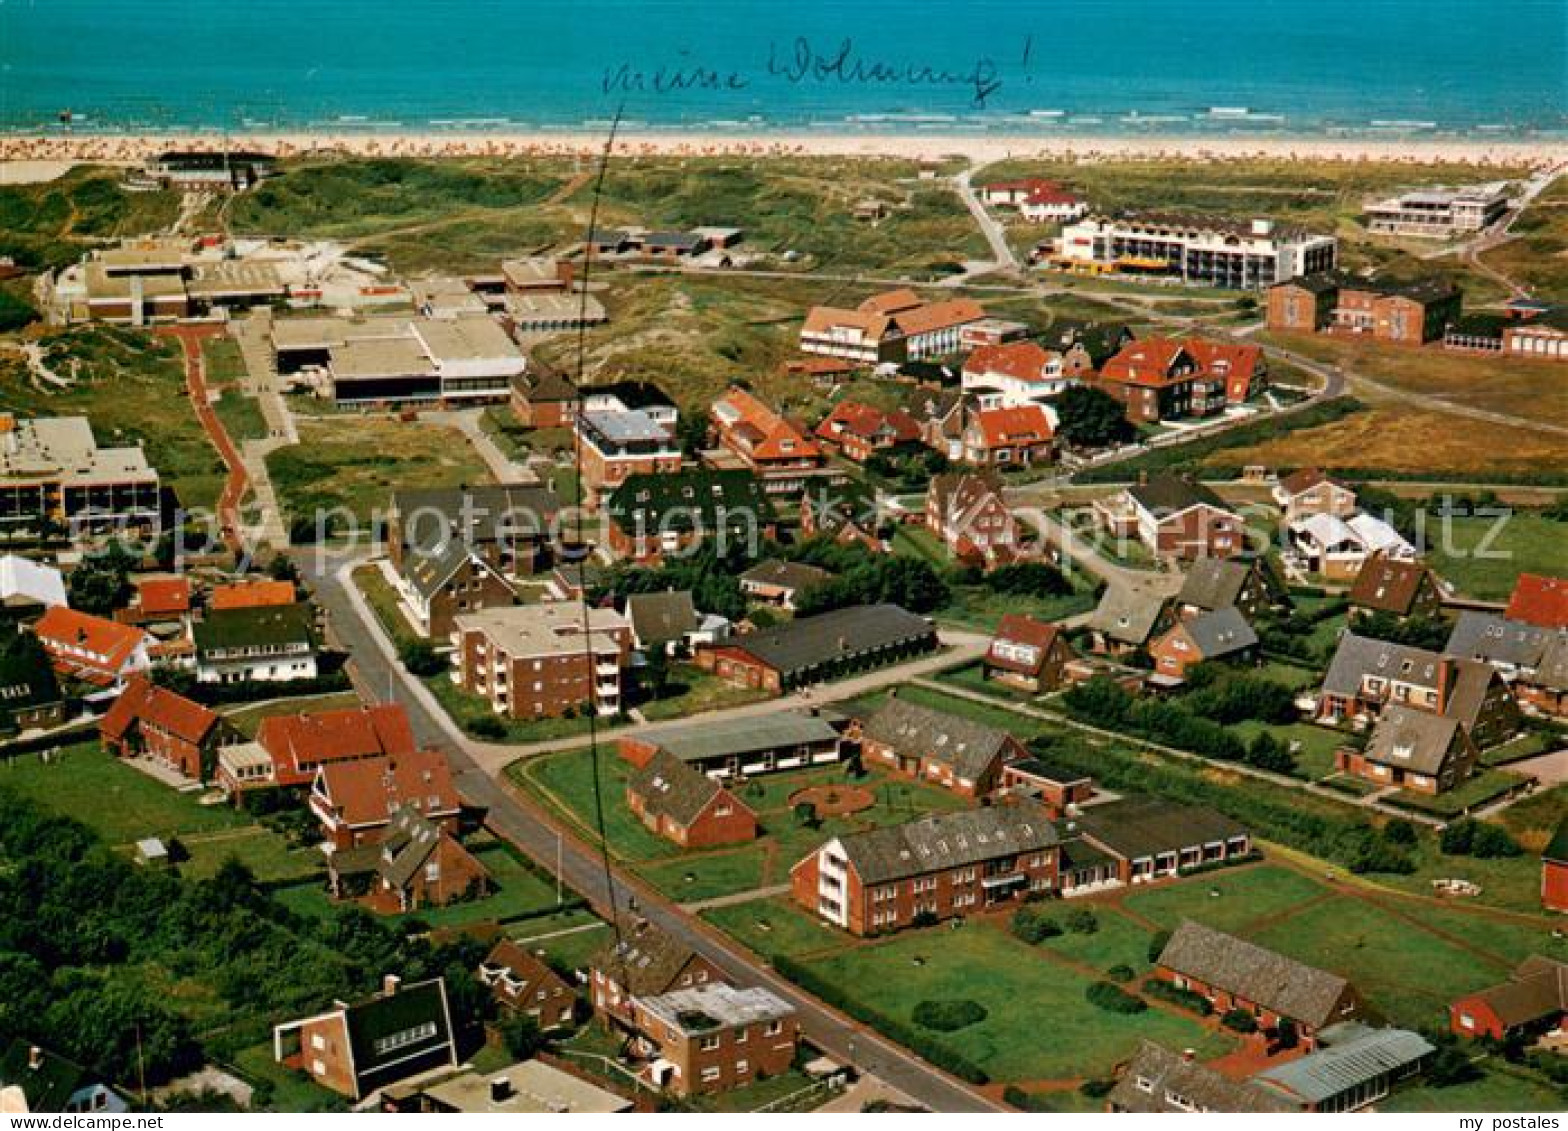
(948, 1016)
(1187, 999)
(1470, 837)
(486, 726)
(924, 919)
(1081, 921)
(1113, 999)
(1120, 973)
(421, 658)
(1031, 926)
(1240, 1021)
(1095, 1089)
(1400, 831)
(1449, 1066)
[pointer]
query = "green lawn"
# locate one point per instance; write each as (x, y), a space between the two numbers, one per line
(979, 608)
(1313, 746)
(1293, 676)
(383, 601)
(760, 1094)
(291, 1091)
(1502, 1088)
(706, 875)
(122, 804)
(1229, 900)
(241, 416)
(263, 851)
(571, 949)
(696, 691)
(1527, 745)
(1523, 543)
(1039, 1025)
(1478, 790)
(774, 926)
(1117, 941)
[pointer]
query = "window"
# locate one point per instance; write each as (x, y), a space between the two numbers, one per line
(406, 1037)
(709, 1044)
(709, 1075)
(742, 1067)
(1145, 1084)
(774, 1029)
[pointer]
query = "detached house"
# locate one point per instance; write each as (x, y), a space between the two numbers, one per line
(1175, 518)
(936, 867)
(289, 749)
(1028, 654)
(1414, 750)
(686, 806)
(1161, 379)
(148, 721)
(91, 649)
(1554, 870)
(415, 864)
(274, 644)
(1009, 437)
(1014, 375)
(847, 517)
(1309, 491)
(1212, 584)
(1235, 974)
(1126, 617)
(779, 452)
(781, 583)
(1539, 600)
(1533, 660)
(355, 1050)
(355, 799)
(956, 753)
(35, 1080)
(1223, 634)
(859, 431)
(1534, 1000)
(1403, 589)
(642, 961)
(1158, 1081)
(714, 1037)
(967, 512)
(650, 516)
(522, 982)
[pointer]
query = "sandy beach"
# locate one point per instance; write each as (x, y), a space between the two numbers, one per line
(34, 157)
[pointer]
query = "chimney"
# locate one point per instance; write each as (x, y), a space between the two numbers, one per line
(35, 1058)
(1447, 672)
(389, 984)
(500, 1090)
(1189, 1055)
(1143, 478)
(1262, 227)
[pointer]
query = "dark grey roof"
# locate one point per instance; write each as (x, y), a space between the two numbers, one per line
(408, 842)
(1169, 494)
(632, 394)
(946, 840)
(50, 1085)
(1357, 1056)
(970, 748)
(701, 741)
(428, 568)
(1222, 632)
(843, 634)
(1412, 740)
(672, 239)
(1497, 640)
(661, 618)
(1289, 988)
(1127, 615)
(388, 1017)
(1045, 771)
(1141, 827)
(478, 515)
(1360, 656)
(1158, 1081)
(1214, 583)
(1536, 990)
(788, 575)
(1473, 680)
(669, 787)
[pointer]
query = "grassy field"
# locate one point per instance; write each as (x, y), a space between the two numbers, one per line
(352, 464)
(1524, 543)
(1484, 786)
(263, 851)
(566, 783)
(1502, 1088)
(52, 223)
(699, 691)
(1018, 986)
(241, 416)
(1535, 258)
(1313, 746)
(775, 926)
(131, 385)
(123, 805)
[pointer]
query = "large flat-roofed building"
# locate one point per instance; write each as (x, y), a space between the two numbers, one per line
(1204, 250)
(161, 279)
(534, 661)
(399, 360)
(542, 312)
(623, 430)
(54, 474)
(725, 748)
(536, 273)
(1388, 310)
(1438, 213)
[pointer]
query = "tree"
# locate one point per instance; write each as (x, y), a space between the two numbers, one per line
(522, 1035)
(15, 312)
(806, 815)
(1091, 418)
(100, 584)
(421, 658)
(1268, 753)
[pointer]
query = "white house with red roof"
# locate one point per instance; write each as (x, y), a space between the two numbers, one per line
(859, 431)
(94, 650)
(1014, 375)
(1047, 205)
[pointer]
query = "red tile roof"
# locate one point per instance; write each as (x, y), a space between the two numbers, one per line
(1148, 361)
(163, 596)
(866, 421)
(1006, 427)
(86, 646)
(938, 316)
(762, 432)
(1022, 361)
(1234, 362)
(824, 319)
(1541, 601)
(891, 302)
(1015, 628)
(1303, 480)
(367, 791)
(1052, 195)
(1024, 184)
(144, 701)
(252, 595)
(335, 736)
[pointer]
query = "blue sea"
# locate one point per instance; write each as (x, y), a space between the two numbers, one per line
(1293, 67)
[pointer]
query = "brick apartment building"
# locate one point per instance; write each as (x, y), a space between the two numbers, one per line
(534, 661)
(1407, 313)
(714, 1037)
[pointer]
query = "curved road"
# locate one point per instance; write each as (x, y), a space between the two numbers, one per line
(541, 837)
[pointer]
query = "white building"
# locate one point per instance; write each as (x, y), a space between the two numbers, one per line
(1206, 251)
(1438, 213)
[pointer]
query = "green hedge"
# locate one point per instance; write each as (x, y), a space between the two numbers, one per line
(1186, 999)
(907, 1035)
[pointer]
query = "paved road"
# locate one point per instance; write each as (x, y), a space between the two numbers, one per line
(610, 891)
(190, 336)
(993, 231)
